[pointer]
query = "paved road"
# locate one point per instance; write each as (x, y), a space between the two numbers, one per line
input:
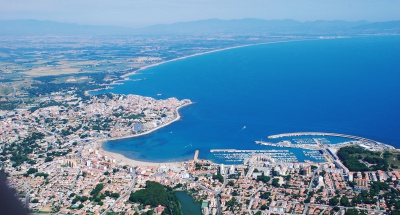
(215, 192)
(128, 192)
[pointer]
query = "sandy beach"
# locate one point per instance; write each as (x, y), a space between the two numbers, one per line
(198, 54)
(122, 158)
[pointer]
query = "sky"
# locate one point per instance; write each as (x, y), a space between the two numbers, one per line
(138, 13)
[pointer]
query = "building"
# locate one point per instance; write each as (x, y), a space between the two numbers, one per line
(361, 182)
(222, 169)
(306, 170)
(232, 170)
(350, 177)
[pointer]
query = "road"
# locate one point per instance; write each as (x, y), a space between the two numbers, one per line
(128, 192)
(215, 192)
(252, 198)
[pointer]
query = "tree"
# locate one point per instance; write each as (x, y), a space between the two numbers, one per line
(76, 199)
(345, 201)
(265, 195)
(44, 175)
(263, 178)
(333, 201)
(230, 205)
(275, 182)
(115, 195)
(351, 212)
(84, 198)
(96, 191)
(218, 177)
(31, 171)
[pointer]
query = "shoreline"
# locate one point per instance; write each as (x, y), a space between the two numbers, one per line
(129, 161)
(120, 157)
(125, 77)
(203, 53)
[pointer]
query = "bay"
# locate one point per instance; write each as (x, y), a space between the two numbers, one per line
(348, 86)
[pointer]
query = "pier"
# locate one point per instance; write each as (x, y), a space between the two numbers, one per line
(196, 155)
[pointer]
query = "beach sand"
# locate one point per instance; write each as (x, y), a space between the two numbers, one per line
(122, 160)
(198, 54)
(129, 161)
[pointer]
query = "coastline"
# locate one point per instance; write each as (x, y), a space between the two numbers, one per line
(132, 162)
(125, 77)
(129, 161)
(203, 53)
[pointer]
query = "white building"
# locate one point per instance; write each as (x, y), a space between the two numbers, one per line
(222, 169)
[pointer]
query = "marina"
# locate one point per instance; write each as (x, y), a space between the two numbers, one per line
(362, 139)
(315, 155)
(242, 156)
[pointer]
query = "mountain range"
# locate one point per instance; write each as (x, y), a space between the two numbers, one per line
(209, 26)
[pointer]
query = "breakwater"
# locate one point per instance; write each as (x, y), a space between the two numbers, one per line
(362, 139)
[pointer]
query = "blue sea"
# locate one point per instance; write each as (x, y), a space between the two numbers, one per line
(349, 86)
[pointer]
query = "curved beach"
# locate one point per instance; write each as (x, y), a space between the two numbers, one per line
(203, 53)
(260, 98)
(129, 161)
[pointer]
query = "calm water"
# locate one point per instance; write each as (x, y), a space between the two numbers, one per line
(189, 207)
(349, 86)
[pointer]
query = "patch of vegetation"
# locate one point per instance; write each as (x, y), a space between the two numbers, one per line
(218, 177)
(354, 212)
(356, 158)
(275, 182)
(156, 194)
(263, 178)
(45, 175)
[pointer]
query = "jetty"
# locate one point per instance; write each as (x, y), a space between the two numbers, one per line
(196, 155)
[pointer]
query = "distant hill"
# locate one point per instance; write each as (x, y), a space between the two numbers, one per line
(210, 26)
(36, 27)
(276, 27)
(391, 27)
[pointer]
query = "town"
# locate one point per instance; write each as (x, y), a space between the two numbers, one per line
(52, 156)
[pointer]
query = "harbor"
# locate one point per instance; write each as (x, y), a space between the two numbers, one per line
(360, 139)
(242, 156)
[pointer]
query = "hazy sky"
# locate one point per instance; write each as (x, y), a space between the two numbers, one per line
(147, 12)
